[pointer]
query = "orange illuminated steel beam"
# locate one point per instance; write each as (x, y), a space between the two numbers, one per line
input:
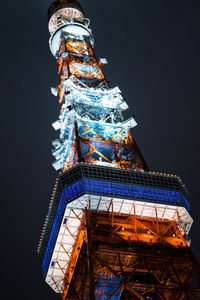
(127, 142)
(131, 228)
(74, 256)
(143, 230)
(69, 63)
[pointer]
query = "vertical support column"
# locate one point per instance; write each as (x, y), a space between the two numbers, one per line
(179, 223)
(90, 255)
(112, 217)
(135, 222)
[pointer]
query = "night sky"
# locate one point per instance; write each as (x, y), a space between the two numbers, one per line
(153, 50)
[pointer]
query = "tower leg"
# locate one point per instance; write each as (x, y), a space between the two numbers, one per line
(90, 257)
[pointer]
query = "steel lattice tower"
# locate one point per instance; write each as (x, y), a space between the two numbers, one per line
(114, 229)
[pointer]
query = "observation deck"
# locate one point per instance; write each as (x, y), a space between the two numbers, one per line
(128, 192)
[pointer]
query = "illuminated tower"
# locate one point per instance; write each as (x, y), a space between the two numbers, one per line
(114, 230)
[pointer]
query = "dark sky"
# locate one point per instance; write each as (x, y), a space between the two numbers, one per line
(153, 50)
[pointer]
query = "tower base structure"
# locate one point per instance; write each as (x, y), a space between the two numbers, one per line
(119, 234)
(115, 263)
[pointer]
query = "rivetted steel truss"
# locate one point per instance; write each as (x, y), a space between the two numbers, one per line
(132, 258)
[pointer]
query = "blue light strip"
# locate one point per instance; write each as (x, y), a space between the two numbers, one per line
(145, 194)
(109, 189)
(54, 234)
(131, 192)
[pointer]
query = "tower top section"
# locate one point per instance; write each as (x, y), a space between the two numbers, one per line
(64, 11)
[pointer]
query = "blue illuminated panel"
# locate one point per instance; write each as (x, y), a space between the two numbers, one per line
(117, 190)
(75, 190)
(53, 235)
(145, 194)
